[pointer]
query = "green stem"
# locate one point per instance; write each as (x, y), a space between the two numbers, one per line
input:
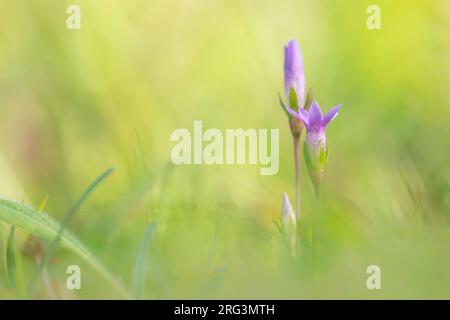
(317, 192)
(297, 174)
(315, 238)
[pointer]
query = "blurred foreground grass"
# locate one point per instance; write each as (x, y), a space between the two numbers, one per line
(74, 103)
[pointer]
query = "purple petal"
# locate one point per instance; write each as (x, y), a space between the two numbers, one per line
(293, 71)
(301, 115)
(315, 116)
(331, 114)
(304, 114)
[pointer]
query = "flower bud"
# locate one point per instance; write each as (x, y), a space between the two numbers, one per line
(288, 222)
(287, 212)
(294, 85)
(294, 77)
(316, 155)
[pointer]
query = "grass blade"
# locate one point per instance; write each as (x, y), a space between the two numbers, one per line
(140, 266)
(41, 225)
(55, 242)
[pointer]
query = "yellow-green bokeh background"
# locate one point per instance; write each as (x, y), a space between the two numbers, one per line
(74, 102)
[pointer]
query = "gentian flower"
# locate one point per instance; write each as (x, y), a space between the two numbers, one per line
(294, 86)
(315, 148)
(294, 77)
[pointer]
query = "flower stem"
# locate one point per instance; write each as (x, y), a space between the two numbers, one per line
(315, 218)
(317, 192)
(297, 174)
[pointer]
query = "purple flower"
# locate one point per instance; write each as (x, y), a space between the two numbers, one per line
(316, 153)
(294, 76)
(315, 123)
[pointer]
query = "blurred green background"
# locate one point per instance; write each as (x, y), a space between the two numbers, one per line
(75, 102)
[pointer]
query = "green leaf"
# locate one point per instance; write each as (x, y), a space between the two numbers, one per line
(323, 157)
(41, 225)
(307, 156)
(279, 227)
(281, 235)
(293, 101)
(284, 106)
(140, 266)
(309, 99)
